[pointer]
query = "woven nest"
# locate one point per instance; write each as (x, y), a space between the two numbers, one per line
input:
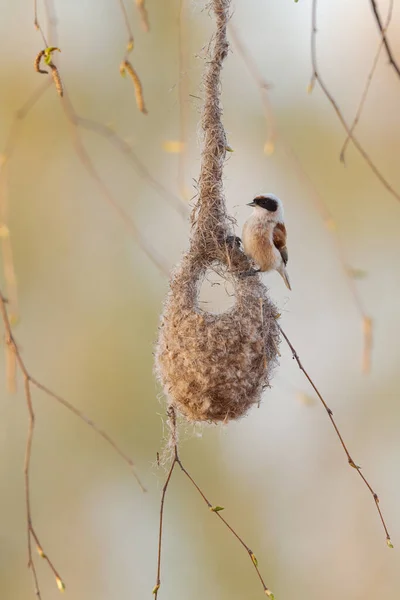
(214, 367)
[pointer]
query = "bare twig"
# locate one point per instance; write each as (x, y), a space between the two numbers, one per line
(127, 25)
(383, 30)
(86, 161)
(6, 246)
(30, 381)
(273, 135)
(316, 77)
(75, 121)
(368, 82)
(263, 87)
(349, 458)
(127, 150)
(144, 19)
(37, 24)
(183, 97)
(213, 508)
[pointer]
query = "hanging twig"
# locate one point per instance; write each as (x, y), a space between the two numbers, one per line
(144, 19)
(87, 162)
(130, 42)
(37, 24)
(263, 87)
(385, 41)
(183, 97)
(30, 381)
(213, 508)
(368, 83)
(316, 77)
(349, 458)
(126, 149)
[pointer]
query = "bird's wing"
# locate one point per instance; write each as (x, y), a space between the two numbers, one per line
(279, 239)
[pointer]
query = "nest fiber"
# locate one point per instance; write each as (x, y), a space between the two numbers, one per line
(214, 367)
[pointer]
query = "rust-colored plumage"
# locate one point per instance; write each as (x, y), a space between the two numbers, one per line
(279, 239)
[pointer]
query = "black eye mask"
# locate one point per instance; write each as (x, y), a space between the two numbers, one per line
(267, 203)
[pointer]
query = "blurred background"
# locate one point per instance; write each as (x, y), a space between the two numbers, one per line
(89, 298)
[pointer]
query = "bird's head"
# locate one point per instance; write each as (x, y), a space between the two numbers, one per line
(268, 205)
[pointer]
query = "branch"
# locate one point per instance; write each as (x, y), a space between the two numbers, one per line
(87, 162)
(183, 95)
(317, 77)
(349, 458)
(367, 84)
(30, 381)
(385, 41)
(129, 45)
(214, 509)
(144, 19)
(127, 150)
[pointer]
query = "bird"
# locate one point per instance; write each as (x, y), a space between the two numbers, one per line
(264, 236)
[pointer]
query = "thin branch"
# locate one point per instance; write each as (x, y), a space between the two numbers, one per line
(330, 414)
(368, 83)
(214, 509)
(29, 381)
(274, 134)
(144, 19)
(6, 246)
(28, 451)
(385, 41)
(164, 491)
(75, 121)
(87, 162)
(127, 25)
(183, 96)
(127, 150)
(317, 77)
(37, 24)
(91, 424)
(263, 87)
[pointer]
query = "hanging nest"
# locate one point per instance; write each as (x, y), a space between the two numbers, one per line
(215, 367)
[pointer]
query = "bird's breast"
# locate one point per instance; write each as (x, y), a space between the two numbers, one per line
(257, 243)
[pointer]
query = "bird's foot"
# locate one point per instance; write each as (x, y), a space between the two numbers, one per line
(249, 273)
(233, 240)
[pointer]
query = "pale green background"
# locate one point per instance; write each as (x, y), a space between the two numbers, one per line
(90, 302)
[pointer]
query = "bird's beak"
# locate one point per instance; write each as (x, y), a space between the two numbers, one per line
(252, 204)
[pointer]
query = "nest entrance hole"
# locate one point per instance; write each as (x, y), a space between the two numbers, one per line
(217, 293)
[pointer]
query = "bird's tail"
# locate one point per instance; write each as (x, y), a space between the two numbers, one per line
(285, 277)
